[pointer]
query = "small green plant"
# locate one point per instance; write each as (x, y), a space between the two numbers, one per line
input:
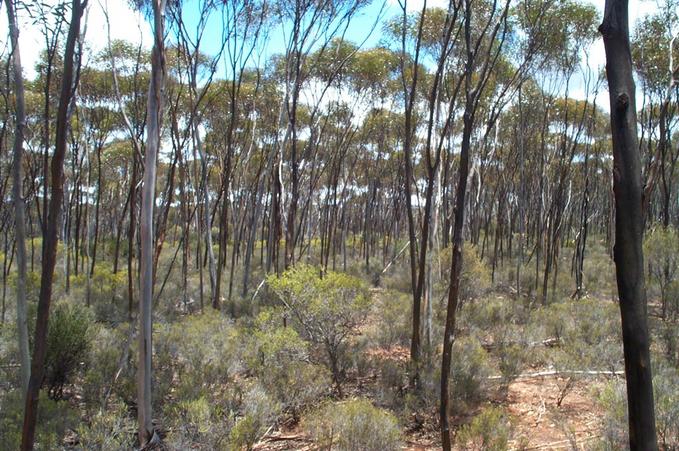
(490, 430)
(259, 411)
(353, 425)
(660, 252)
(68, 342)
(112, 428)
(55, 418)
(469, 371)
(279, 358)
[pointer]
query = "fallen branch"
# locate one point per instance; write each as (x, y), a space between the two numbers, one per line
(549, 342)
(562, 373)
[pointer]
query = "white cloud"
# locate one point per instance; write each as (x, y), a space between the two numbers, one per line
(125, 24)
(416, 5)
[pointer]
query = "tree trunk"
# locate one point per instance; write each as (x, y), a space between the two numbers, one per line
(17, 194)
(51, 232)
(154, 115)
(628, 253)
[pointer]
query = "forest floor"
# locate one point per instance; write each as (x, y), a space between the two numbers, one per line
(540, 423)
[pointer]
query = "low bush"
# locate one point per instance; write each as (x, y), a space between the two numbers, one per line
(393, 311)
(68, 342)
(469, 372)
(55, 418)
(112, 428)
(194, 355)
(259, 412)
(326, 311)
(353, 425)
(490, 430)
(279, 358)
(107, 355)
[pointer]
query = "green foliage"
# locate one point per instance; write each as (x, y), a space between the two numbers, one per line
(326, 311)
(109, 345)
(258, 411)
(475, 277)
(490, 430)
(651, 48)
(198, 421)
(196, 354)
(109, 429)
(613, 400)
(353, 425)
(660, 251)
(665, 383)
(54, 419)
(469, 370)
(68, 342)
(393, 312)
(280, 359)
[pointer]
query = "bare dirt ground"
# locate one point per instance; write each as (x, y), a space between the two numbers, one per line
(532, 403)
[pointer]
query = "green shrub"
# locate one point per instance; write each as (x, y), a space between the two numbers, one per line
(326, 311)
(55, 418)
(279, 358)
(614, 402)
(490, 430)
(199, 422)
(665, 384)
(109, 346)
(109, 429)
(68, 341)
(660, 252)
(475, 278)
(393, 312)
(353, 425)
(469, 371)
(259, 411)
(194, 355)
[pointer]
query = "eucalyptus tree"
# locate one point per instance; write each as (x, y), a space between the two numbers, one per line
(154, 113)
(50, 235)
(653, 47)
(629, 224)
(485, 31)
(18, 197)
(308, 26)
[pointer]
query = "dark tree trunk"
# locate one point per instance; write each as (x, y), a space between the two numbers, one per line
(51, 232)
(628, 253)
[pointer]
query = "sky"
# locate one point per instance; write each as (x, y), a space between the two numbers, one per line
(130, 25)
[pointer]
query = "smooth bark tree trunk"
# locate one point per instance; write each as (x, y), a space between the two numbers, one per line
(154, 114)
(628, 252)
(17, 194)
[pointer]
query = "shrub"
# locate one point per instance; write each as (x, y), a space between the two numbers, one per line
(354, 425)
(665, 383)
(613, 400)
(108, 348)
(68, 341)
(490, 430)
(109, 429)
(279, 358)
(55, 418)
(196, 353)
(660, 250)
(326, 311)
(197, 422)
(393, 311)
(475, 278)
(259, 410)
(469, 370)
